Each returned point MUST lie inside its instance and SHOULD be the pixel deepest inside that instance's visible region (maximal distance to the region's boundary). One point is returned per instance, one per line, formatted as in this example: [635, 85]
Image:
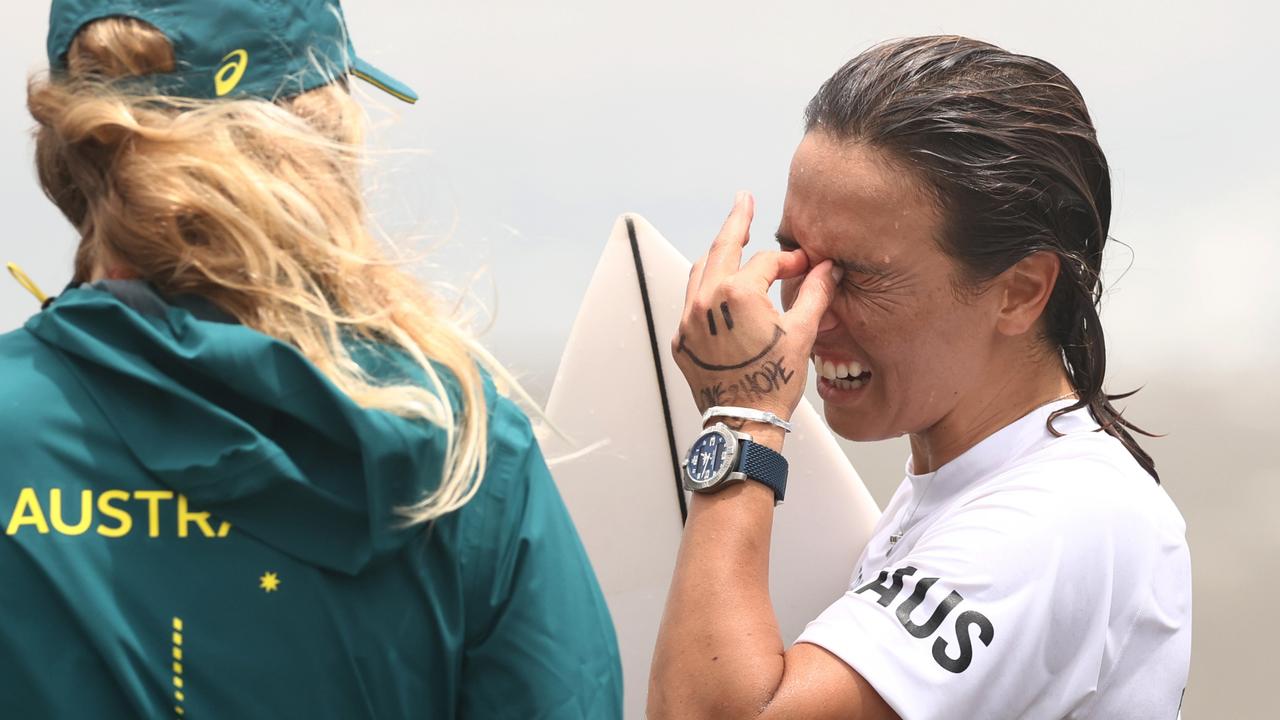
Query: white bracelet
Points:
[745, 414]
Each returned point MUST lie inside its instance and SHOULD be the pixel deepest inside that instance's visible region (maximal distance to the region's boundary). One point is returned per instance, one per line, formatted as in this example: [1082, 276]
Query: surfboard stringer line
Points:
[657, 366]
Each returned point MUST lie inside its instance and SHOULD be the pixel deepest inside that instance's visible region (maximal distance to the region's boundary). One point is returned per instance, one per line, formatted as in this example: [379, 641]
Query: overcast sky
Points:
[543, 121]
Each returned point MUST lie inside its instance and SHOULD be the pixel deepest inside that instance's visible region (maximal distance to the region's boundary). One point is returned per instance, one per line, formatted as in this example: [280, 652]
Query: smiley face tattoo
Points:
[778, 332]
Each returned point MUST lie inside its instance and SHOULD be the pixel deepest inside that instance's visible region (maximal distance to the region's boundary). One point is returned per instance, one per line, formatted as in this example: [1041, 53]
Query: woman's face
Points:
[908, 347]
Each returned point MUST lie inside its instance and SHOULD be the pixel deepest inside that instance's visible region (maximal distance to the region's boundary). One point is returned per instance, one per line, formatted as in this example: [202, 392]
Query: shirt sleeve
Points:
[540, 642]
[999, 610]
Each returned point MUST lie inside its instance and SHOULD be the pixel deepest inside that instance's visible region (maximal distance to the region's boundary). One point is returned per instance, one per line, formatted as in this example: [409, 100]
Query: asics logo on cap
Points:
[228, 76]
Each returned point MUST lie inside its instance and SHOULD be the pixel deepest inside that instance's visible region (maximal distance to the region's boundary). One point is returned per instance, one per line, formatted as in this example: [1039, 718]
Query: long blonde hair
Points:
[258, 207]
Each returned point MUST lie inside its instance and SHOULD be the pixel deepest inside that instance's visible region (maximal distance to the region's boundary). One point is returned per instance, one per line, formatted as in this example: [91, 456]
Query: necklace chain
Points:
[902, 525]
[897, 535]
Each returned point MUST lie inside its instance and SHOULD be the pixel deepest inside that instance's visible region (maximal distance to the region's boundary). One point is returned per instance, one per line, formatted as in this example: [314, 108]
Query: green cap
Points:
[234, 48]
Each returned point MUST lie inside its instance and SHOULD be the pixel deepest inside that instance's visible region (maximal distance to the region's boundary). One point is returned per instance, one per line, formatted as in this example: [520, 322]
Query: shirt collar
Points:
[995, 451]
[143, 298]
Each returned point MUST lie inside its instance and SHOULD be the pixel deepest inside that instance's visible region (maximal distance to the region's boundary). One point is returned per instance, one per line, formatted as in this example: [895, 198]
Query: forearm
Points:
[719, 651]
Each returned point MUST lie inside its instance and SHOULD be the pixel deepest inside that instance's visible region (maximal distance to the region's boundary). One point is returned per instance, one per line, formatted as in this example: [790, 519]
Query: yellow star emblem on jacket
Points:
[269, 582]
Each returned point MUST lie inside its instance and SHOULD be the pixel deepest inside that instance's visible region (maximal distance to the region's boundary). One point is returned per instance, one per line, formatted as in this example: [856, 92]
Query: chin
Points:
[855, 426]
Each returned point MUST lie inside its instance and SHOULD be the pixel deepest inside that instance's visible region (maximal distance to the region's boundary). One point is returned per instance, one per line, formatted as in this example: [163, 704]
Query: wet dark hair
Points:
[1005, 145]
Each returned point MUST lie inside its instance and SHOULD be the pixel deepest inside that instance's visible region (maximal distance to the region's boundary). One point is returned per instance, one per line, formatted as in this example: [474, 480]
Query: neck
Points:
[986, 408]
[112, 272]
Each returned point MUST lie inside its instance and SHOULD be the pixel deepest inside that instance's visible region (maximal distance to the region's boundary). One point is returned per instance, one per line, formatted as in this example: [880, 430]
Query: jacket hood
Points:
[245, 426]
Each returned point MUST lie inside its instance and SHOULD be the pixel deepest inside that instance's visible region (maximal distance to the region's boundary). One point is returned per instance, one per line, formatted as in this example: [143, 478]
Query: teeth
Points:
[840, 375]
[824, 369]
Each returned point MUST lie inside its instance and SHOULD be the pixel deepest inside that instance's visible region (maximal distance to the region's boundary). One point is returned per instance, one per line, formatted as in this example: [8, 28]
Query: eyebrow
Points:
[849, 265]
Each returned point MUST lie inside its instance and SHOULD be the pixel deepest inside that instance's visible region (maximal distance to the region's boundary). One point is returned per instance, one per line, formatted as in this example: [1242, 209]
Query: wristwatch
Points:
[722, 456]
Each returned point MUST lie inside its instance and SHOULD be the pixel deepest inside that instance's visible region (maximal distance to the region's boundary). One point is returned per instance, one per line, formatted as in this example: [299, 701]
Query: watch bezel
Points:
[733, 446]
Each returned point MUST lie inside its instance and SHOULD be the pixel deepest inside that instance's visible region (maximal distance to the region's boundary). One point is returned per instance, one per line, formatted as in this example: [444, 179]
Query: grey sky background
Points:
[541, 122]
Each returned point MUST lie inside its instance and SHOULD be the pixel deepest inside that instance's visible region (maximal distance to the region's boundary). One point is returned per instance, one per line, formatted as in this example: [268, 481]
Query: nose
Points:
[828, 321]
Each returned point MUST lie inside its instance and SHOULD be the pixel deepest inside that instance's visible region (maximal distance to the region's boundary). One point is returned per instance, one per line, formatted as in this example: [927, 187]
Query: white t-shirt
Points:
[1036, 577]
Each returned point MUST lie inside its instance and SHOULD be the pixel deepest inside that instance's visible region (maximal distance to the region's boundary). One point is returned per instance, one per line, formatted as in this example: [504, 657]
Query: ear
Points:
[1025, 290]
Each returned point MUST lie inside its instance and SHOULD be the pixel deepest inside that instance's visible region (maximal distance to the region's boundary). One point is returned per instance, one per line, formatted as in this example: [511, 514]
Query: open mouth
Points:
[849, 375]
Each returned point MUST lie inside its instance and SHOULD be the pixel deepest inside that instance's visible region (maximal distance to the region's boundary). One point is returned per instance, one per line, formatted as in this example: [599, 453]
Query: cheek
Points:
[890, 337]
[859, 319]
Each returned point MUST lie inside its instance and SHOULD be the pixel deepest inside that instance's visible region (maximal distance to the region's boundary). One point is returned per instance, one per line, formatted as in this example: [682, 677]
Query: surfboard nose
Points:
[628, 416]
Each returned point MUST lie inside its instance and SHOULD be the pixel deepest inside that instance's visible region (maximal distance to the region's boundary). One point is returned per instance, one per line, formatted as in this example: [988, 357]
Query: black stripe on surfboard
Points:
[657, 366]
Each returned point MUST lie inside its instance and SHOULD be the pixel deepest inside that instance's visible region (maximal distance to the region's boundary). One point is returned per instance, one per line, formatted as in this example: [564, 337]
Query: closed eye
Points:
[786, 244]
[877, 290]
[858, 276]
[851, 282]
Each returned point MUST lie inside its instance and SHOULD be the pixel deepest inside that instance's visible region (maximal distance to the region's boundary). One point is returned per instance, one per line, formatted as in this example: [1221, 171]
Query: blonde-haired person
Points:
[251, 469]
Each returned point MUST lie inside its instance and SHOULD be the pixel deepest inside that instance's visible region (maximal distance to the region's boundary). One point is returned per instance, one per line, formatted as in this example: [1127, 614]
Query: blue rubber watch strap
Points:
[764, 465]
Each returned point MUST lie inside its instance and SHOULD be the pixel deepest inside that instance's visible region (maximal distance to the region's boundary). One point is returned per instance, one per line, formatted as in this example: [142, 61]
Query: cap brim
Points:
[382, 81]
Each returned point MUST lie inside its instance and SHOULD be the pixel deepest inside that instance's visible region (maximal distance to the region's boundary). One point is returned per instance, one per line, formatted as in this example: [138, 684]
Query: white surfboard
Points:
[628, 416]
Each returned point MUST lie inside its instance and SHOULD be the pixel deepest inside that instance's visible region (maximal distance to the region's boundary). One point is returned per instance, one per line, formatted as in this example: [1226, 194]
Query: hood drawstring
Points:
[28, 284]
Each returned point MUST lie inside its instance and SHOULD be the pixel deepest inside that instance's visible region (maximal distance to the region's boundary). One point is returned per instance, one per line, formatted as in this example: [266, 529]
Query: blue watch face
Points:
[706, 458]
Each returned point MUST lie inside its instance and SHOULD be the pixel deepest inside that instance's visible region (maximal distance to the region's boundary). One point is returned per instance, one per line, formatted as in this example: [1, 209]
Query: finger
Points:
[765, 267]
[726, 251]
[695, 279]
[813, 298]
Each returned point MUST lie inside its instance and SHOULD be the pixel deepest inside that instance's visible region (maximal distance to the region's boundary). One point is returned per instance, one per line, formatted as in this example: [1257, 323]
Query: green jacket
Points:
[197, 523]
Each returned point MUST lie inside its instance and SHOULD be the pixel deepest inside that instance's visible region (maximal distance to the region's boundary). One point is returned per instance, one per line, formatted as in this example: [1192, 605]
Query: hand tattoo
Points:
[682, 347]
[766, 379]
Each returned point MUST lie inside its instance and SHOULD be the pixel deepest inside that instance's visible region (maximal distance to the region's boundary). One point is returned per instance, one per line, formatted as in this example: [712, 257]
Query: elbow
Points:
[672, 696]
[697, 709]
[669, 697]
[696, 698]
